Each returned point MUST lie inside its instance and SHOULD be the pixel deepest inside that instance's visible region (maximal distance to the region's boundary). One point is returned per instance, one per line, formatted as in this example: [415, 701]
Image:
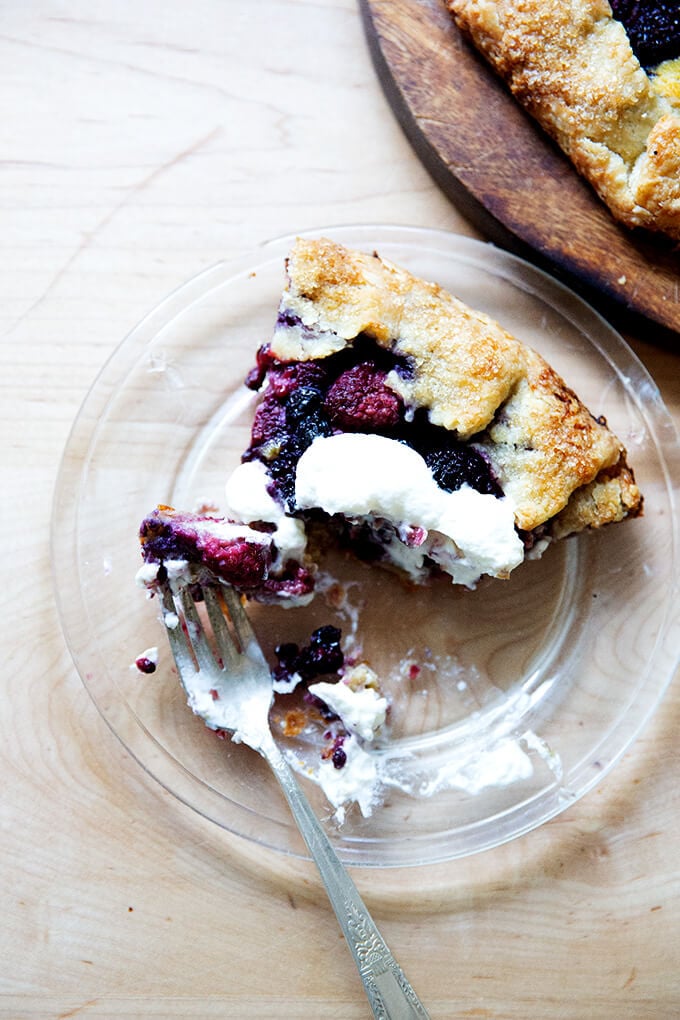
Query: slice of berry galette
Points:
[415, 431]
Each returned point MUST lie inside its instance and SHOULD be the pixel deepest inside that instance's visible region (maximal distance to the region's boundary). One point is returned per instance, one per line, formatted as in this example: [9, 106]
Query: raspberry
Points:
[359, 400]
[295, 582]
[269, 422]
[187, 536]
[243, 564]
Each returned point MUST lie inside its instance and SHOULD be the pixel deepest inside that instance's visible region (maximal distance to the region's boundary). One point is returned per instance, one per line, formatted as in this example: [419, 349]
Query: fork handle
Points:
[389, 993]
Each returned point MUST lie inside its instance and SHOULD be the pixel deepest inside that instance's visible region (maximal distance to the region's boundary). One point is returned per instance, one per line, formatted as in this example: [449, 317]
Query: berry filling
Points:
[339, 756]
[336, 752]
[145, 664]
[652, 28]
[455, 464]
[359, 400]
[321, 657]
[211, 542]
[349, 392]
[295, 582]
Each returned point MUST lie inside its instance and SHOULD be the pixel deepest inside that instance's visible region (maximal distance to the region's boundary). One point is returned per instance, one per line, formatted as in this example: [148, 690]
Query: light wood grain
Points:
[140, 144]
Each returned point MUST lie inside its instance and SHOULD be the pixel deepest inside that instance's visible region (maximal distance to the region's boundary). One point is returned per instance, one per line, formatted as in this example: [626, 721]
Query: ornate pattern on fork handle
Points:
[387, 988]
[381, 974]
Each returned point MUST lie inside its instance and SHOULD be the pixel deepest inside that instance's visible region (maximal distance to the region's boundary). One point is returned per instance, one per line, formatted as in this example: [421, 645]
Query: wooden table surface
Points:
[141, 143]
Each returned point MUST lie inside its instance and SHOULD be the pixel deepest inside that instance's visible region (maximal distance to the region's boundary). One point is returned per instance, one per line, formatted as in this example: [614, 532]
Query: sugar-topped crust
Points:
[548, 451]
[570, 64]
[338, 294]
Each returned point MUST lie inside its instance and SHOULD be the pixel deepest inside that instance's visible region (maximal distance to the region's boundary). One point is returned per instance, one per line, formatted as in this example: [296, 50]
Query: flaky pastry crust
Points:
[340, 293]
[550, 455]
[570, 64]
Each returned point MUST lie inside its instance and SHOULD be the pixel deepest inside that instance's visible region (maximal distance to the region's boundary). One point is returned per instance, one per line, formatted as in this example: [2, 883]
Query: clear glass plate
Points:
[523, 693]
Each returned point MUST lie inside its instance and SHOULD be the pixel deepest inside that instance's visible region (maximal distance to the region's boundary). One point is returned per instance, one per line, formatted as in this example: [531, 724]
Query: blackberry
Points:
[282, 471]
[322, 656]
[307, 431]
[326, 635]
[286, 653]
[292, 445]
[652, 28]
[456, 465]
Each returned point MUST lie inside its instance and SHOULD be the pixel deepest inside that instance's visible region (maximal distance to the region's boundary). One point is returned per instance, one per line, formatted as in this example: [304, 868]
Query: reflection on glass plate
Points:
[508, 702]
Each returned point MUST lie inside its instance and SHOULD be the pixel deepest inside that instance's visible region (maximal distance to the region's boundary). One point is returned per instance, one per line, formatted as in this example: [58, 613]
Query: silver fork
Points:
[228, 684]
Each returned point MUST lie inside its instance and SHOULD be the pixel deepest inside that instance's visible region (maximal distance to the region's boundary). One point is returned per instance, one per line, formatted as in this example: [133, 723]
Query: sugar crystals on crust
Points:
[571, 65]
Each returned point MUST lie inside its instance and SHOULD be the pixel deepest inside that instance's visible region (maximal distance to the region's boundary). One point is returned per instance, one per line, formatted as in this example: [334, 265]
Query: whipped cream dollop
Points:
[363, 711]
[468, 533]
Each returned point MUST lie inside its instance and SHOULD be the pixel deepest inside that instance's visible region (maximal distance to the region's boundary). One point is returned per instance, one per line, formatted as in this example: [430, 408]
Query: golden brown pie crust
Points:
[570, 64]
[550, 455]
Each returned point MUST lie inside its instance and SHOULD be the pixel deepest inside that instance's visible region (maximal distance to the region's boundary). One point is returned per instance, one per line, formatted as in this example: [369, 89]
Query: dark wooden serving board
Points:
[506, 176]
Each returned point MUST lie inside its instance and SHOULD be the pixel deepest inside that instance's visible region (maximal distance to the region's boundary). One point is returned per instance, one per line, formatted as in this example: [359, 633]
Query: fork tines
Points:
[204, 648]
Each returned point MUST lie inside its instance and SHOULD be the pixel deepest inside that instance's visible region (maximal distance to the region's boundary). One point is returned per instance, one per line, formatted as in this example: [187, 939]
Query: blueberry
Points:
[302, 402]
[287, 319]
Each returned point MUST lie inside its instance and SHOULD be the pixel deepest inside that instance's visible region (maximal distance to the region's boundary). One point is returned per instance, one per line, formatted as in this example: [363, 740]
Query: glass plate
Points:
[508, 702]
